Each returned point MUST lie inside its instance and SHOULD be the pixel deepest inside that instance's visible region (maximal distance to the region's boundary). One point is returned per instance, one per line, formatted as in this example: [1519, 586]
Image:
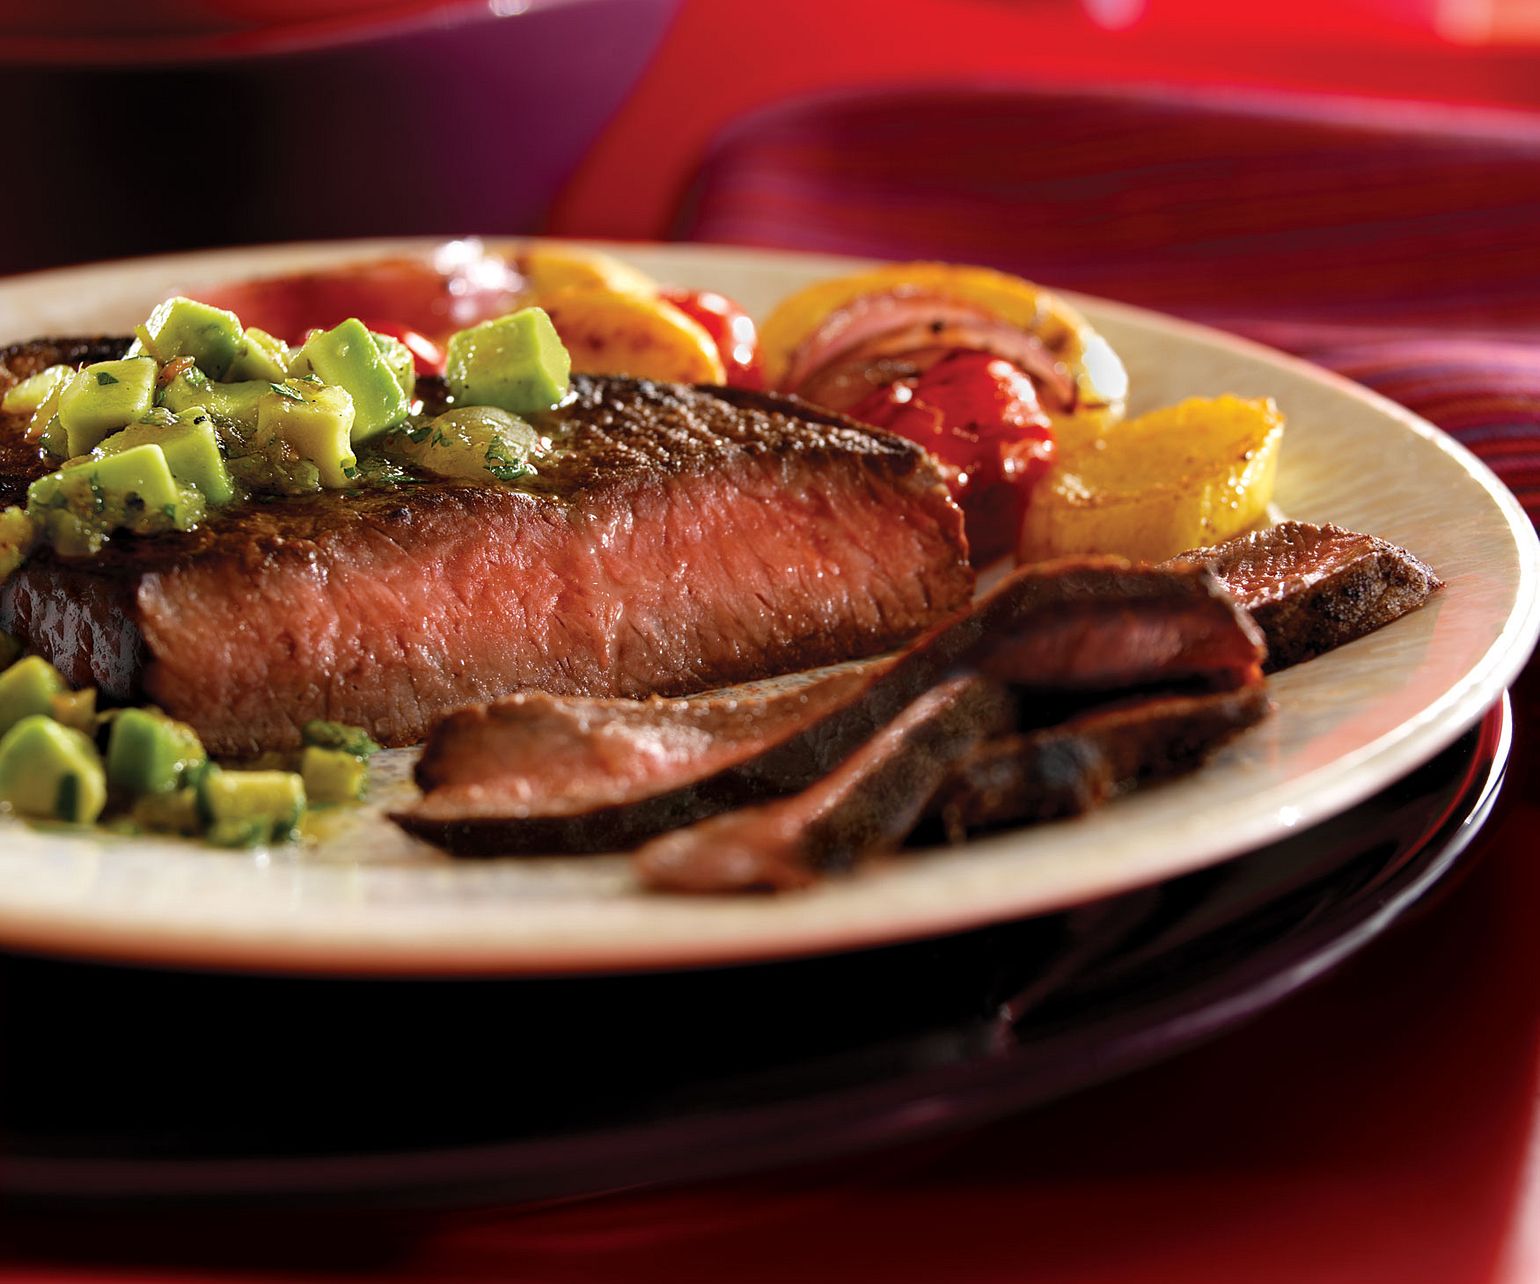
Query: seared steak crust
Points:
[1071, 767]
[679, 539]
[543, 773]
[866, 806]
[1312, 589]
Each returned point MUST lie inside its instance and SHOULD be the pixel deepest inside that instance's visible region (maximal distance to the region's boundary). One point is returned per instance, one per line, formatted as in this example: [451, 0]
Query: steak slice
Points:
[1315, 588]
[679, 539]
[536, 773]
[866, 805]
[1067, 769]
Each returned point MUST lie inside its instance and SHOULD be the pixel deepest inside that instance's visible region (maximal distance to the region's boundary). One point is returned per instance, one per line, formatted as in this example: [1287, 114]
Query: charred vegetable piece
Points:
[149, 753]
[1183, 476]
[333, 776]
[27, 688]
[347, 356]
[338, 735]
[25, 397]
[241, 808]
[103, 398]
[186, 328]
[516, 363]
[51, 772]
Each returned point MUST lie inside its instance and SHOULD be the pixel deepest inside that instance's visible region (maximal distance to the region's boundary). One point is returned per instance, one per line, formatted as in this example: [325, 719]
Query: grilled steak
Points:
[534, 773]
[1067, 769]
[680, 539]
[1314, 588]
[866, 805]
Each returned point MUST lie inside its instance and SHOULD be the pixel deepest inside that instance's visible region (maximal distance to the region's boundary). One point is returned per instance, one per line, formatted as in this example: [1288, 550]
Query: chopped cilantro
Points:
[104, 377]
[286, 392]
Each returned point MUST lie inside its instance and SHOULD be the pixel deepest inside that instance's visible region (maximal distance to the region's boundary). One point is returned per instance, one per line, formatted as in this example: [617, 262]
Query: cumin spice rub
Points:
[675, 539]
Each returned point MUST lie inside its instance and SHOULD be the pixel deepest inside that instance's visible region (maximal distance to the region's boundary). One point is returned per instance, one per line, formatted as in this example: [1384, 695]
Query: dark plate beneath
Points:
[132, 1084]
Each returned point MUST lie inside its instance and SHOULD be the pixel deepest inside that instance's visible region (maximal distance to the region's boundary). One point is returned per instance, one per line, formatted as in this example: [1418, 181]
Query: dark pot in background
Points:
[445, 119]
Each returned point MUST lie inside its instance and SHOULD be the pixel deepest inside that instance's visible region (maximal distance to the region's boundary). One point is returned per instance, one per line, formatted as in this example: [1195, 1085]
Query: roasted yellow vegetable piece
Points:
[621, 333]
[1187, 475]
[549, 268]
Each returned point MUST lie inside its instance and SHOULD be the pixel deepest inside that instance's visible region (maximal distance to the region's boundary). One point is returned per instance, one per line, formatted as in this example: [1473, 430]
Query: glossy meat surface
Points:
[679, 540]
[1314, 588]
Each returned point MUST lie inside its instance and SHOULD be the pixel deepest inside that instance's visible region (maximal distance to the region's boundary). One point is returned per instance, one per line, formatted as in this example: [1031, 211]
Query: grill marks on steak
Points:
[867, 805]
[1314, 588]
[535, 773]
[680, 540]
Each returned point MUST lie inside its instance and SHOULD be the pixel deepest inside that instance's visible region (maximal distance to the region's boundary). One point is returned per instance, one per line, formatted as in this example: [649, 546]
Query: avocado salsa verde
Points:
[199, 413]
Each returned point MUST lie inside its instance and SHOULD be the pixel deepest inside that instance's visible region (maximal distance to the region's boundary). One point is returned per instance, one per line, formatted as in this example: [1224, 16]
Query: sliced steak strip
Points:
[866, 805]
[1068, 769]
[494, 782]
[536, 772]
[680, 539]
[1315, 588]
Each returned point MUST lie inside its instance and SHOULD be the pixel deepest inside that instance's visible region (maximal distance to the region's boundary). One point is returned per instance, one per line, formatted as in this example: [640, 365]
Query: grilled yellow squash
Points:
[1187, 475]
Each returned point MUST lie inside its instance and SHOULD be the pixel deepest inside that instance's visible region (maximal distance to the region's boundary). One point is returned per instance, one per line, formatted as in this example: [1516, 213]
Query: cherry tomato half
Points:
[979, 415]
[730, 328]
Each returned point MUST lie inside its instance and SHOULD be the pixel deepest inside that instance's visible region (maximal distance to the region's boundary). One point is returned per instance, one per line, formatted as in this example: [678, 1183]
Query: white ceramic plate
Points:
[368, 899]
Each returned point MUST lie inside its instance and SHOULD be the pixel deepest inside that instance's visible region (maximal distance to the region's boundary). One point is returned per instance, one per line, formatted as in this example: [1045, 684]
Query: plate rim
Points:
[1391, 754]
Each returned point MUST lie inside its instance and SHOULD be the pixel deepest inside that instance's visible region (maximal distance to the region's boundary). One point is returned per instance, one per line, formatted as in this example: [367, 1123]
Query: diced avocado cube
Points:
[80, 503]
[25, 397]
[19, 535]
[191, 449]
[400, 360]
[10, 650]
[149, 753]
[139, 477]
[269, 803]
[186, 328]
[260, 356]
[51, 772]
[27, 688]
[332, 776]
[316, 422]
[103, 398]
[516, 362]
[346, 356]
[187, 511]
[75, 709]
[339, 735]
[170, 813]
[232, 403]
